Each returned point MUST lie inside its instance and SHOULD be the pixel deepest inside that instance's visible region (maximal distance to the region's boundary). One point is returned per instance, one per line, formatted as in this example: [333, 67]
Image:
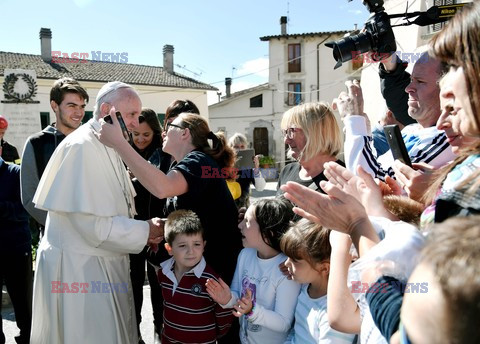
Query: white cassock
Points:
[82, 288]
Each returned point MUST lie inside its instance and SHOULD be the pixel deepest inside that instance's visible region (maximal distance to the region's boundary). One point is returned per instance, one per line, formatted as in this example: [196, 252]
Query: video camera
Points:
[378, 36]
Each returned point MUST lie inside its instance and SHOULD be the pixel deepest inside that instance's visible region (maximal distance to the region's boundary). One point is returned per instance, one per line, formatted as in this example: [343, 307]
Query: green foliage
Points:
[267, 160]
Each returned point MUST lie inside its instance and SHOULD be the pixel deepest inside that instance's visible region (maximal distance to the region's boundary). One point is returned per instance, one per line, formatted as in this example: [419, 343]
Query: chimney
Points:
[283, 25]
[46, 44]
[228, 83]
[168, 58]
[355, 27]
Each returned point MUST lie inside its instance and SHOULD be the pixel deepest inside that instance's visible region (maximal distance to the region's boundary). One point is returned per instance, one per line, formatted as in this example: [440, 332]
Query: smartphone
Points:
[126, 134]
[397, 145]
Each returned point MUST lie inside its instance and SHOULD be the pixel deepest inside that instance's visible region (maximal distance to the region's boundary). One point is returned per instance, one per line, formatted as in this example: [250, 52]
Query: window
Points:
[294, 58]
[257, 101]
[294, 93]
[44, 119]
[439, 26]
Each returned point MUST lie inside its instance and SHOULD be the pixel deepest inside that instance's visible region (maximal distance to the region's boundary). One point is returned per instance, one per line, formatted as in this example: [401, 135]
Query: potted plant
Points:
[266, 161]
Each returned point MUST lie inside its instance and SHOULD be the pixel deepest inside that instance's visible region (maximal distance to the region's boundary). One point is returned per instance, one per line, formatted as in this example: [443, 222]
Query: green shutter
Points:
[44, 119]
[88, 115]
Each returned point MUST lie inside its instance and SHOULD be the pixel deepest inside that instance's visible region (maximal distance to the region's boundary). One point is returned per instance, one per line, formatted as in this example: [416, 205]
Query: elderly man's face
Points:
[130, 106]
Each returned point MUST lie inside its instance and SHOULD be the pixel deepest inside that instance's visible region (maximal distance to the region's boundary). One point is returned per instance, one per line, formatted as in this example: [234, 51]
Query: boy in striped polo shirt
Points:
[189, 315]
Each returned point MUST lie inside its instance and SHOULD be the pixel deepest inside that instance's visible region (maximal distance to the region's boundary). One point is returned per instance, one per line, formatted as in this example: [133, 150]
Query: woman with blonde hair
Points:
[313, 136]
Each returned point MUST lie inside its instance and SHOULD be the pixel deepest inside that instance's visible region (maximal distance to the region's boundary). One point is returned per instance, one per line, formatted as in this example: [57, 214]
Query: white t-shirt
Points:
[311, 322]
[275, 298]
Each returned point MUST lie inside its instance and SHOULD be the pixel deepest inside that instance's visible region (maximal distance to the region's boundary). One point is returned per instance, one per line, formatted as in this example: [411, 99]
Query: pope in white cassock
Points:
[82, 289]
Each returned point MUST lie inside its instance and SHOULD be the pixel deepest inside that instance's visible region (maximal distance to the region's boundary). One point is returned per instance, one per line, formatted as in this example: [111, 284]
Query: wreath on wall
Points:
[9, 87]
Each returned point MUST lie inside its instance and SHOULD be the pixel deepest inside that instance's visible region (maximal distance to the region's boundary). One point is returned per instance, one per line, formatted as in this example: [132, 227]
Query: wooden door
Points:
[260, 141]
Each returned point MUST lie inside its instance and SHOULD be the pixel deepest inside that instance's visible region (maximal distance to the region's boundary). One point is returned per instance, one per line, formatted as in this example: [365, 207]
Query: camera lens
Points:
[345, 48]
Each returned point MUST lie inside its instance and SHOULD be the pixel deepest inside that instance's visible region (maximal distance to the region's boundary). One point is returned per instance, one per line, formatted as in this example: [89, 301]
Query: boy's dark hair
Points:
[308, 241]
[182, 222]
[273, 217]
[66, 85]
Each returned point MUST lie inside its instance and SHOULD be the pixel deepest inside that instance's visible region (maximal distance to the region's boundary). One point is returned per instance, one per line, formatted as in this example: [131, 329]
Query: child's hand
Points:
[244, 305]
[283, 268]
[218, 291]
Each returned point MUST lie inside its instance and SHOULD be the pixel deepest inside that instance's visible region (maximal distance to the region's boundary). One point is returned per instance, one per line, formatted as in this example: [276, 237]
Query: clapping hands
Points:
[220, 293]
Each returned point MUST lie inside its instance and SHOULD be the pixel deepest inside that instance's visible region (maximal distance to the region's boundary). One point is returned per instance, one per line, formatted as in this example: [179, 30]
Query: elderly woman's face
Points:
[239, 146]
[295, 139]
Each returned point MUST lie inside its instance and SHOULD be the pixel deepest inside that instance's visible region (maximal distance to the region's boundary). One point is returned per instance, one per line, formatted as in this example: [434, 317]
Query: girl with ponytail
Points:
[195, 181]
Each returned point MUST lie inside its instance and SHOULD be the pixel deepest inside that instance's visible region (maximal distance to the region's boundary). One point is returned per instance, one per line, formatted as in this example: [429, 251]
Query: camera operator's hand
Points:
[390, 63]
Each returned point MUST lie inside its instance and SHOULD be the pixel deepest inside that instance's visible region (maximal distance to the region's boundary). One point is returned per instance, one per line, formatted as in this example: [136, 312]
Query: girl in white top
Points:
[308, 250]
[262, 297]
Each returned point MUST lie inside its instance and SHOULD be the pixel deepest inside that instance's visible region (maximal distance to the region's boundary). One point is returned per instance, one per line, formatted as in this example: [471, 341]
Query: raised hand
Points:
[337, 210]
[218, 291]
[350, 102]
[362, 187]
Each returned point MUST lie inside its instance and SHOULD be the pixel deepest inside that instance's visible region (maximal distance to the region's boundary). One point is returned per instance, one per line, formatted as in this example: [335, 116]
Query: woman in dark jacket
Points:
[147, 141]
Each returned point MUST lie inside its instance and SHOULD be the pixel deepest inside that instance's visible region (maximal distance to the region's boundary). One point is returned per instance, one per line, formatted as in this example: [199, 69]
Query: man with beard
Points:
[68, 100]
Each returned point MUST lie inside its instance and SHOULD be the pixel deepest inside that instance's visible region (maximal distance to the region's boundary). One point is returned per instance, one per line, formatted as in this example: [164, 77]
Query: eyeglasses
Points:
[170, 125]
[288, 133]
